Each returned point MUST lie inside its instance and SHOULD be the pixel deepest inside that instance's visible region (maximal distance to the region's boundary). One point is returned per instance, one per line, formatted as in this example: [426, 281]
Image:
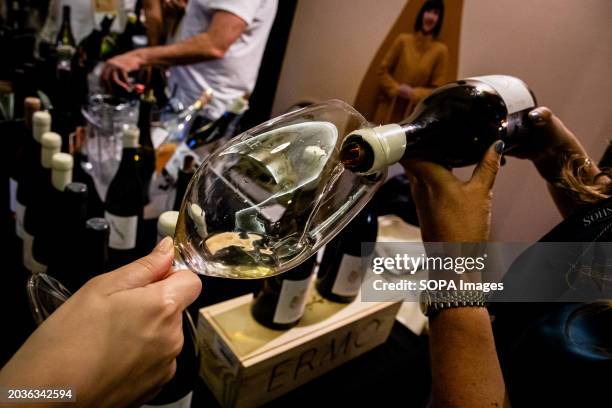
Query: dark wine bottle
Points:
[177, 393]
[217, 129]
[135, 31]
[30, 168]
[124, 203]
[97, 45]
[48, 222]
[65, 36]
[147, 151]
[67, 260]
[280, 302]
[22, 143]
[36, 208]
[184, 177]
[341, 270]
[452, 126]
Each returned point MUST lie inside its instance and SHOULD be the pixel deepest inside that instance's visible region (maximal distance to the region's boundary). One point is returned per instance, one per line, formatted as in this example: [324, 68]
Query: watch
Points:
[432, 301]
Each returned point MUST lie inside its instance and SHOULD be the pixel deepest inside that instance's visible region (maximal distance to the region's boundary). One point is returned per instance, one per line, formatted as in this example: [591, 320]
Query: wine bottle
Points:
[184, 177]
[124, 203]
[147, 151]
[178, 392]
[452, 126]
[341, 270]
[43, 244]
[23, 142]
[280, 302]
[135, 31]
[97, 45]
[41, 123]
[65, 36]
[41, 188]
[66, 258]
[217, 129]
[171, 153]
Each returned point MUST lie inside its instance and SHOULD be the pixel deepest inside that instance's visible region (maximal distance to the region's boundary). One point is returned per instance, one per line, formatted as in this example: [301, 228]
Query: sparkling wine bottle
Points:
[453, 126]
[281, 300]
[341, 270]
[124, 203]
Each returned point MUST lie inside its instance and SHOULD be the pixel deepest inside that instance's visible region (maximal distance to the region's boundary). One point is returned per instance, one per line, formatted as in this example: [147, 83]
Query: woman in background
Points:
[413, 67]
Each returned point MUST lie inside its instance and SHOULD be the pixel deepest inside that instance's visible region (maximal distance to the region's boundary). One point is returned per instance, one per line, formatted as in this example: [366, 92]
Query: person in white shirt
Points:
[219, 45]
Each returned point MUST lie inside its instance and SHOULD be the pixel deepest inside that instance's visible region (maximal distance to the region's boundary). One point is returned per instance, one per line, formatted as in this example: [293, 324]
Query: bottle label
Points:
[176, 162]
[19, 213]
[291, 301]
[513, 91]
[27, 250]
[348, 279]
[122, 231]
[184, 402]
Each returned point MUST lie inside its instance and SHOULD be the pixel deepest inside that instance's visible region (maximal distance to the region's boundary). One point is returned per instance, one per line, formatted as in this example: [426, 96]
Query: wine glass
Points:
[272, 196]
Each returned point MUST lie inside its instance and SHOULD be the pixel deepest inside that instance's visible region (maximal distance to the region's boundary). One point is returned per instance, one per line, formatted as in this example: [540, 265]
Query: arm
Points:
[225, 28]
[388, 84]
[465, 369]
[154, 21]
[438, 77]
[464, 365]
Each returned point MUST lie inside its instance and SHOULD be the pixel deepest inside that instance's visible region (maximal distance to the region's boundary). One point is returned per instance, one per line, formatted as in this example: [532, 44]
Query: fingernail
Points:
[499, 146]
[536, 117]
[164, 245]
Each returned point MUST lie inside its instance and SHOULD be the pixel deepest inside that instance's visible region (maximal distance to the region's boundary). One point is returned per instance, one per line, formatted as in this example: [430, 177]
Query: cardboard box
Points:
[246, 364]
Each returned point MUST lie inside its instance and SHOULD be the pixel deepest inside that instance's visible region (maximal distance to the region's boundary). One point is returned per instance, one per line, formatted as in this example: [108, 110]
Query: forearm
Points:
[465, 368]
[154, 21]
[190, 51]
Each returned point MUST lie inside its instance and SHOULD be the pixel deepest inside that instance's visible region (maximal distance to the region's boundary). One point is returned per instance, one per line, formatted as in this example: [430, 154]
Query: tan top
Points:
[414, 59]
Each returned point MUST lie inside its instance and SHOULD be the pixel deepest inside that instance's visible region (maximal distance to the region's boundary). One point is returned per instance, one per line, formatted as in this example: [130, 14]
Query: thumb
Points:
[485, 172]
[141, 272]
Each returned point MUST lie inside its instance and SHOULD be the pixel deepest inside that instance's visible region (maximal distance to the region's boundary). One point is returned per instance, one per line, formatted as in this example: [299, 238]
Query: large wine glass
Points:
[272, 196]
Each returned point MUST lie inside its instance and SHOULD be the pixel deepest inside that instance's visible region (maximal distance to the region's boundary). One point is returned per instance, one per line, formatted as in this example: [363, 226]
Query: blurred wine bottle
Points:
[341, 270]
[41, 188]
[19, 146]
[66, 259]
[44, 242]
[98, 45]
[281, 301]
[184, 177]
[124, 203]
[135, 33]
[171, 153]
[65, 38]
[147, 151]
[220, 128]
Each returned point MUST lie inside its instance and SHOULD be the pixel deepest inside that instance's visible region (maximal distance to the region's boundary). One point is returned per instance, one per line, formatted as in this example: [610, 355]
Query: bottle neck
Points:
[66, 17]
[144, 122]
[61, 178]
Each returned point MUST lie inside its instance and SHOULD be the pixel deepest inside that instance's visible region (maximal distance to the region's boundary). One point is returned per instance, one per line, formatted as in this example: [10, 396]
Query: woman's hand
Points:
[405, 91]
[451, 210]
[115, 340]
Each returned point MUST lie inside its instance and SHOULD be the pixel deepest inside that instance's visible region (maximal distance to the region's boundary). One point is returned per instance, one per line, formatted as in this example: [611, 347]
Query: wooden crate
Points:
[245, 364]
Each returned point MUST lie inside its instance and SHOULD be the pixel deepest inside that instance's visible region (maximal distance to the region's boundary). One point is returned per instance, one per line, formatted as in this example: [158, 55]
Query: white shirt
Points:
[235, 74]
